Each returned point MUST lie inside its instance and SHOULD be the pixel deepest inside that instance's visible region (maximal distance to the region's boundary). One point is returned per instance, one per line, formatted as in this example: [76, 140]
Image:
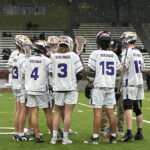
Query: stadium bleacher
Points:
[90, 30]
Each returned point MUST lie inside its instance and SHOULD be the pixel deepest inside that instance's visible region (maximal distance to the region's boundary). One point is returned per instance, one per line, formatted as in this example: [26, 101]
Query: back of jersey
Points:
[65, 67]
[36, 74]
[105, 63]
[134, 64]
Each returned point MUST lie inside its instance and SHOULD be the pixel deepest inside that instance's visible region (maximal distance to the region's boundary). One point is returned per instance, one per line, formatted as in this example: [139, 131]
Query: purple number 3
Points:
[63, 68]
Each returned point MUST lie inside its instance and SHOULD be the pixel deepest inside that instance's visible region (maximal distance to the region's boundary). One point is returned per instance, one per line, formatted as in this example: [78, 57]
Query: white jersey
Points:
[17, 78]
[134, 64]
[13, 54]
[36, 74]
[64, 68]
[105, 63]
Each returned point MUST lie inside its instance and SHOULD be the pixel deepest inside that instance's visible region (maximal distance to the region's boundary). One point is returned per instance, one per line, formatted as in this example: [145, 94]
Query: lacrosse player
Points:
[36, 84]
[66, 68]
[23, 45]
[105, 64]
[133, 91]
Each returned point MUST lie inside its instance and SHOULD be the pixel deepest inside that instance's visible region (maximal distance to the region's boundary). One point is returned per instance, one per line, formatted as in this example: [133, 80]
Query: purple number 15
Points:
[107, 68]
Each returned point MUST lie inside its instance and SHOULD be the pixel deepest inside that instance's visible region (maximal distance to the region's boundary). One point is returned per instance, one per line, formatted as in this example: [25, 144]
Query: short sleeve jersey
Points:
[105, 63]
[64, 69]
[134, 63]
[36, 74]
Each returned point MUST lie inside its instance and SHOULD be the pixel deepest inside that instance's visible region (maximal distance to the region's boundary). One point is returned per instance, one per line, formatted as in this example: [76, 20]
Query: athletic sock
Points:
[113, 134]
[55, 133]
[95, 135]
[129, 132]
[16, 133]
[21, 134]
[65, 135]
[139, 131]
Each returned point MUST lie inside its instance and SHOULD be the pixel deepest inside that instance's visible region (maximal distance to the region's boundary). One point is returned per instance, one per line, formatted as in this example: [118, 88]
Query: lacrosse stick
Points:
[118, 93]
[80, 42]
[121, 76]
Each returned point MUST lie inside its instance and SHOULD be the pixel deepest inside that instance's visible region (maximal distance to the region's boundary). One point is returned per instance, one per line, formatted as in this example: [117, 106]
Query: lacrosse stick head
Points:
[80, 42]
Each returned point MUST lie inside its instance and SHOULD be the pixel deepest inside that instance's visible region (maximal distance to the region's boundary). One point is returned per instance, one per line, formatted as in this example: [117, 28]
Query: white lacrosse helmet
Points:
[41, 42]
[40, 46]
[24, 43]
[52, 40]
[66, 40]
[128, 37]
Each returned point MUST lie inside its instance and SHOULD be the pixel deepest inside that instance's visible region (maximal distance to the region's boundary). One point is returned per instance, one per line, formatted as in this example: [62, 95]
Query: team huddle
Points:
[49, 78]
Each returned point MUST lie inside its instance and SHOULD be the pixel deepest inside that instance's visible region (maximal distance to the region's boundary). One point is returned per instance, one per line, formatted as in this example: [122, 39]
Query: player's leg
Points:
[139, 119]
[127, 105]
[96, 126]
[112, 120]
[34, 120]
[68, 109]
[110, 102]
[59, 106]
[16, 119]
[30, 131]
[71, 99]
[104, 120]
[49, 118]
[120, 119]
[56, 122]
[22, 118]
[97, 102]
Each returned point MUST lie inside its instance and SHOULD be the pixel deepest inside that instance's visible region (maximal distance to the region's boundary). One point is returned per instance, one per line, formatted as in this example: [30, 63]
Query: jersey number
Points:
[15, 72]
[34, 73]
[63, 68]
[138, 67]
[107, 68]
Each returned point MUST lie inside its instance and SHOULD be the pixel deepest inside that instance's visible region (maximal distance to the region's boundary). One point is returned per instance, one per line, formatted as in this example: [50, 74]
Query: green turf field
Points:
[81, 122]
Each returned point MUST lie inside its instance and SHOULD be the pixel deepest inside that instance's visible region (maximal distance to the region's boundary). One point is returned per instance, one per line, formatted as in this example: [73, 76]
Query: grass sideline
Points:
[81, 122]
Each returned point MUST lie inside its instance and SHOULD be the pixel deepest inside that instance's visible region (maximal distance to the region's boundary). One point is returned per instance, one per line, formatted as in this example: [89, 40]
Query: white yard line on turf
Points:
[146, 121]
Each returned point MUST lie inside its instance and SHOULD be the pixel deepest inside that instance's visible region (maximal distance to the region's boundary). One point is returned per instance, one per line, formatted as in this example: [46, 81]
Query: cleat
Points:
[53, 140]
[72, 132]
[138, 136]
[49, 132]
[15, 137]
[24, 138]
[39, 140]
[60, 132]
[30, 133]
[66, 141]
[127, 138]
[91, 141]
[59, 139]
[112, 139]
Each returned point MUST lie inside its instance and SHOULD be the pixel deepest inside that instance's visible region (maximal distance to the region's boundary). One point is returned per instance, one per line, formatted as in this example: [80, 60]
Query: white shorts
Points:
[40, 101]
[133, 93]
[20, 96]
[62, 98]
[102, 97]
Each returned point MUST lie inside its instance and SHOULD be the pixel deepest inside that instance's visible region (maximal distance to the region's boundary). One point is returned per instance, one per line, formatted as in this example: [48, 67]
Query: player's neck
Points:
[131, 46]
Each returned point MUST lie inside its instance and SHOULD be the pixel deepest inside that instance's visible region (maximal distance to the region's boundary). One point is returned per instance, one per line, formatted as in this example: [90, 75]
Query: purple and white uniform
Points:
[105, 63]
[132, 78]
